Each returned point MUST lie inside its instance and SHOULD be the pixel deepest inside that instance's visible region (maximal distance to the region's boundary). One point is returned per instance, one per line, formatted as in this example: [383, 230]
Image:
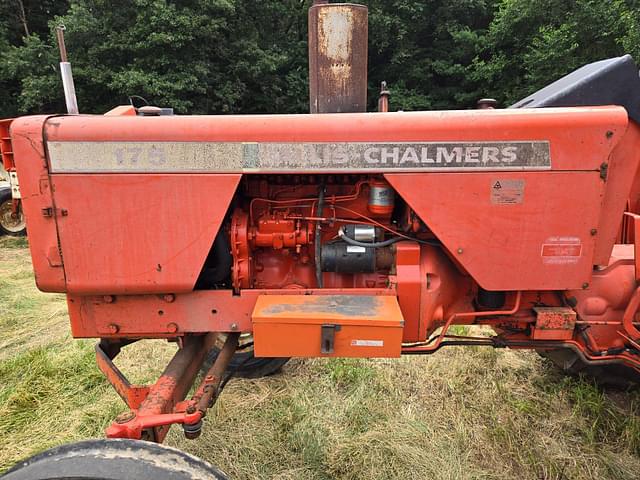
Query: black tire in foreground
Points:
[612, 375]
[114, 460]
[9, 224]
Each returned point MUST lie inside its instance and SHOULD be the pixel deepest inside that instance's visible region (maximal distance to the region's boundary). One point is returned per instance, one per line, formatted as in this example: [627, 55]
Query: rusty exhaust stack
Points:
[338, 37]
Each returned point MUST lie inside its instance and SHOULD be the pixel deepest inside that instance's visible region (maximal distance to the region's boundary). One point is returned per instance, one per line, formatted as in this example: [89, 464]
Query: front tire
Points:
[244, 364]
[113, 459]
[10, 224]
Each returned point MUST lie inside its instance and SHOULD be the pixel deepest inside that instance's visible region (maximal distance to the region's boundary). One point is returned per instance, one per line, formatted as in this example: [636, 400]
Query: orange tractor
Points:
[251, 239]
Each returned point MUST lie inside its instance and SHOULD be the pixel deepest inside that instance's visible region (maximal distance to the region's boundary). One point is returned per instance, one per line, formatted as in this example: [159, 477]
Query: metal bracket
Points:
[15, 185]
[327, 337]
[133, 395]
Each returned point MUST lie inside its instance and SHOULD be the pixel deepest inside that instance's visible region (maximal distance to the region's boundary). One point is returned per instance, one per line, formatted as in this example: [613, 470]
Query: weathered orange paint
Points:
[364, 326]
[489, 239]
[202, 311]
[138, 233]
[621, 175]
[37, 200]
[584, 129]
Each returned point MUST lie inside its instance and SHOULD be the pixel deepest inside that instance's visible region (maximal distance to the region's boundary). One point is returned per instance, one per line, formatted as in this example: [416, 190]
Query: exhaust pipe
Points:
[338, 37]
[67, 76]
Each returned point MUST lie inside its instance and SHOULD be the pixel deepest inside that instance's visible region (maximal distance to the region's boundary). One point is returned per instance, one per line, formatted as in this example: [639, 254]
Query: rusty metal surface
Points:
[338, 36]
[554, 323]
[383, 101]
[555, 318]
[61, 45]
[175, 381]
[155, 408]
[208, 391]
[344, 305]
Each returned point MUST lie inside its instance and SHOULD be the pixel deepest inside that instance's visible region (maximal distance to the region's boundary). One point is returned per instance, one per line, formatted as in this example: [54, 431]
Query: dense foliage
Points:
[218, 56]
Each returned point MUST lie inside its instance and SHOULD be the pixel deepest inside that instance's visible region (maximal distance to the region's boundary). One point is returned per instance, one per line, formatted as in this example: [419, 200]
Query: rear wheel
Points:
[114, 460]
[614, 375]
[10, 223]
[244, 364]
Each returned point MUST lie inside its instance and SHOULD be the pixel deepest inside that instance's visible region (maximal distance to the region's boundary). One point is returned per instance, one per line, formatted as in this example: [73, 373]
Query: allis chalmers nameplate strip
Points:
[235, 157]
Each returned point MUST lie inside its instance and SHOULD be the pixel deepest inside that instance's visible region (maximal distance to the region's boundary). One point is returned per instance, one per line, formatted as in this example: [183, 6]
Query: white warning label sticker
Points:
[367, 343]
[561, 250]
[507, 191]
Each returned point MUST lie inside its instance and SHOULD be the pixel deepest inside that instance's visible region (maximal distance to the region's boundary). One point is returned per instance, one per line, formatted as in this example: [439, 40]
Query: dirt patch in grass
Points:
[460, 414]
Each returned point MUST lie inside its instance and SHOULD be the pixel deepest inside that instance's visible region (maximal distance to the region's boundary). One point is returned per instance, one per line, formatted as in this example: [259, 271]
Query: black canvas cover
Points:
[614, 81]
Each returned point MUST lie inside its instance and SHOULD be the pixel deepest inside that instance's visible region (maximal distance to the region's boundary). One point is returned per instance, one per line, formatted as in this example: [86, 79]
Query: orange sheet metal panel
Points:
[171, 315]
[37, 202]
[621, 176]
[138, 233]
[359, 326]
[512, 231]
[577, 136]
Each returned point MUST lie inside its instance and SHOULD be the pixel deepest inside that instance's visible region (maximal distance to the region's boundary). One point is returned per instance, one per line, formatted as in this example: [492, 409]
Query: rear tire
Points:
[570, 363]
[114, 460]
[8, 224]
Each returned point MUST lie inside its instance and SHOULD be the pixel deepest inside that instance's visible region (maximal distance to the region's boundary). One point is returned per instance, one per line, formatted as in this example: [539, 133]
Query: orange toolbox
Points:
[327, 325]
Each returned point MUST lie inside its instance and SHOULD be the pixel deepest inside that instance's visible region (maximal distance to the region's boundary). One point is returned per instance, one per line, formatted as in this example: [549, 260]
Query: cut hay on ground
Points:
[459, 414]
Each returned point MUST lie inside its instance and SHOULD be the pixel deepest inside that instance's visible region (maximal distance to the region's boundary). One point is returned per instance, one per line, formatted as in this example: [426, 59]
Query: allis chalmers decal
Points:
[227, 157]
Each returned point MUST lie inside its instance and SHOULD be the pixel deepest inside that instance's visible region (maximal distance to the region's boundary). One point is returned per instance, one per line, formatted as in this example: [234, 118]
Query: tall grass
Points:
[462, 413]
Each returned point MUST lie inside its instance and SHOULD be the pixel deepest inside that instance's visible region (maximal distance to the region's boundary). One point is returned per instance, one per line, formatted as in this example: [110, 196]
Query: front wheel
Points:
[243, 363]
[10, 223]
[114, 460]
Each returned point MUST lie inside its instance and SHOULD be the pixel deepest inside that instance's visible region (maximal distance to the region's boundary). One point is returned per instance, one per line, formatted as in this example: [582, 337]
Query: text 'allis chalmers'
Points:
[340, 233]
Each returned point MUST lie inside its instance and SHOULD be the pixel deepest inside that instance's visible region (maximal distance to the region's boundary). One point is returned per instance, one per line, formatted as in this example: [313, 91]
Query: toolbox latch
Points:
[327, 337]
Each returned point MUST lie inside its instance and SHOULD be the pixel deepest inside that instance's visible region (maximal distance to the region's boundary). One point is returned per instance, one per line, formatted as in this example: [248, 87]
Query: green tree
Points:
[198, 56]
[421, 48]
[224, 56]
[532, 43]
[23, 22]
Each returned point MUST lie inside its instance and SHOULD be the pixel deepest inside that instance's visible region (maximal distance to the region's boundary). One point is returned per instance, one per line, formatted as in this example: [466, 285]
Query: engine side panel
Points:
[512, 231]
[138, 233]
